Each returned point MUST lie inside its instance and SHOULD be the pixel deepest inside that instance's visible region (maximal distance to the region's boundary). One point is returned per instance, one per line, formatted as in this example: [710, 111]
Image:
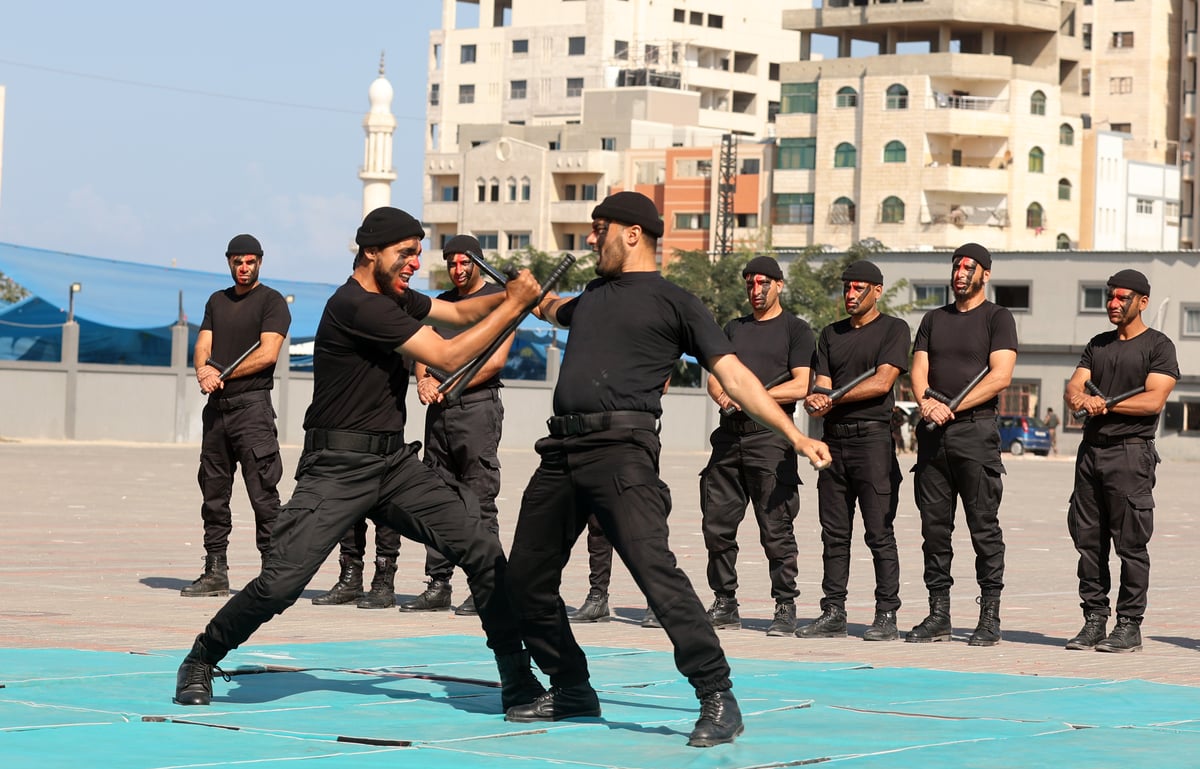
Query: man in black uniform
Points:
[749, 463]
[356, 462]
[239, 420]
[960, 456]
[601, 458]
[462, 439]
[1113, 502]
[858, 431]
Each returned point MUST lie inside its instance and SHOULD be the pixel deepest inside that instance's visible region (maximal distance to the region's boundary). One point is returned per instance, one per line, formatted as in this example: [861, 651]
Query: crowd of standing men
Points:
[598, 465]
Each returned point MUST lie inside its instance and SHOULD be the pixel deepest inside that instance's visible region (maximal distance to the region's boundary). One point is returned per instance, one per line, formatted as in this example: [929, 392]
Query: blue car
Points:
[1019, 433]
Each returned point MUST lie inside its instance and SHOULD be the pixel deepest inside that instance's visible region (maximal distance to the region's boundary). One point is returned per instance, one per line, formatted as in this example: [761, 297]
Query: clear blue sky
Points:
[154, 131]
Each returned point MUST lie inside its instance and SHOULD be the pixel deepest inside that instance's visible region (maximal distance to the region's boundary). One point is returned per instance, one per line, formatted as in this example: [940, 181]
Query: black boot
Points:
[720, 721]
[435, 598]
[348, 588]
[1125, 637]
[784, 623]
[467, 607]
[594, 608]
[578, 701]
[518, 685]
[883, 628]
[213, 582]
[1095, 627]
[831, 624]
[383, 586]
[935, 627]
[987, 632]
[650, 619]
[724, 613]
[193, 681]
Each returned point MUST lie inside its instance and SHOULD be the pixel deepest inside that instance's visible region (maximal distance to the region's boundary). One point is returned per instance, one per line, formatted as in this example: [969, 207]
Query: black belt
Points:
[742, 426]
[239, 401]
[856, 428]
[349, 440]
[1103, 442]
[476, 396]
[582, 424]
[975, 415]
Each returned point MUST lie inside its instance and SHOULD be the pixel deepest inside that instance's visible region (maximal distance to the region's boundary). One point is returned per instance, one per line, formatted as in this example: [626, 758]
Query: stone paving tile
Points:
[99, 538]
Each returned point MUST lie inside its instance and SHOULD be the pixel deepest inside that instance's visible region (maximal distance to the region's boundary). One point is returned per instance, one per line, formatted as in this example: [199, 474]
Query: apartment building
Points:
[533, 104]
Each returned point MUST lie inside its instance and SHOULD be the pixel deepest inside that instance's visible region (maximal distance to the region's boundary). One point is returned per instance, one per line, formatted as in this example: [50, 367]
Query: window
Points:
[1182, 415]
[480, 191]
[691, 221]
[450, 193]
[466, 54]
[749, 167]
[1085, 82]
[693, 168]
[494, 189]
[847, 97]
[621, 49]
[1034, 216]
[1037, 103]
[1191, 320]
[608, 143]
[797, 154]
[1092, 297]
[793, 208]
[715, 21]
[512, 189]
[892, 211]
[845, 156]
[773, 71]
[895, 152]
[651, 53]
[799, 98]
[1145, 206]
[569, 192]
[1037, 160]
[1087, 37]
[1062, 242]
[587, 192]
[1171, 211]
[931, 294]
[1012, 296]
[1122, 128]
[696, 18]
[1066, 135]
[1064, 189]
[574, 86]
[466, 94]
[517, 89]
[434, 91]
[746, 221]
[897, 97]
[576, 46]
[1122, 40]
[842, 211]
[680, 15]
[487, 241]
[568, 240]
[518, 240]
[1120, 85]
[520, 47]
[525, 190]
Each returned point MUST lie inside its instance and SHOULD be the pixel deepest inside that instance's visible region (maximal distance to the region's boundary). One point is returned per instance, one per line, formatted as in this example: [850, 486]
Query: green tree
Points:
[717, 282]
[9, 291]
[541, 264]
[814, 283]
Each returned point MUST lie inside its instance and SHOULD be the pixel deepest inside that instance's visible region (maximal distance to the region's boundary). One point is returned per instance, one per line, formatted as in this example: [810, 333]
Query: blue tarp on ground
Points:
[433, 702]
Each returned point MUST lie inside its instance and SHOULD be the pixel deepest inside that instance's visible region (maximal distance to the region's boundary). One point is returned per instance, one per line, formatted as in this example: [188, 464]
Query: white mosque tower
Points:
[377, 173]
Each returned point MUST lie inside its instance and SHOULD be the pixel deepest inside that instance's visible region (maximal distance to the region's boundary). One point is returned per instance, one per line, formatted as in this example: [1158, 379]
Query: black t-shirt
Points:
[772, 348]
[449, 333]
[626, 334]
[844, 352]
[359, 379]
[1118, 367]
[236, 323]
[959, 344]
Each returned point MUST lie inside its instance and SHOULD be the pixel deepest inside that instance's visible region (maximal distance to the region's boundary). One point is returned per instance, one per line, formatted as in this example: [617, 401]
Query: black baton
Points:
[489, 270]
[225, 372]
[1108, 402]
[729, 411]
[837, 394]
[957, 400]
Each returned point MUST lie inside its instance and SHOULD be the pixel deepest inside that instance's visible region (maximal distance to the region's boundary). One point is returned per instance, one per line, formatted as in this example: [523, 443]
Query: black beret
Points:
[763, 265]
[864, 271]
[1132, 280]
[976, 252]
[386, 225]
[462, 244]
[244, 244]
[631, 208]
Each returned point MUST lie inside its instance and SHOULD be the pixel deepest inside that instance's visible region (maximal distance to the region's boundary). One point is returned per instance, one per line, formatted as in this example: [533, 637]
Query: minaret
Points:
[377, 174]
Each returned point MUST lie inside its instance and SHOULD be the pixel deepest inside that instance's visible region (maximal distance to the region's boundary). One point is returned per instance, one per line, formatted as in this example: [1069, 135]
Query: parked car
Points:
[1019, 433]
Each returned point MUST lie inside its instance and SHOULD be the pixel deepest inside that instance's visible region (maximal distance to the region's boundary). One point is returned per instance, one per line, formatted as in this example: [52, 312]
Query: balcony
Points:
[846, 14]
[1189, 106]
[940, 176]
[967, 115]
[572, 211]
[440, 213]
[1190, 45]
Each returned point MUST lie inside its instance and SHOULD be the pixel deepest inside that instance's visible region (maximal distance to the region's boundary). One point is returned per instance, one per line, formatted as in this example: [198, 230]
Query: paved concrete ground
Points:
[98, 538]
